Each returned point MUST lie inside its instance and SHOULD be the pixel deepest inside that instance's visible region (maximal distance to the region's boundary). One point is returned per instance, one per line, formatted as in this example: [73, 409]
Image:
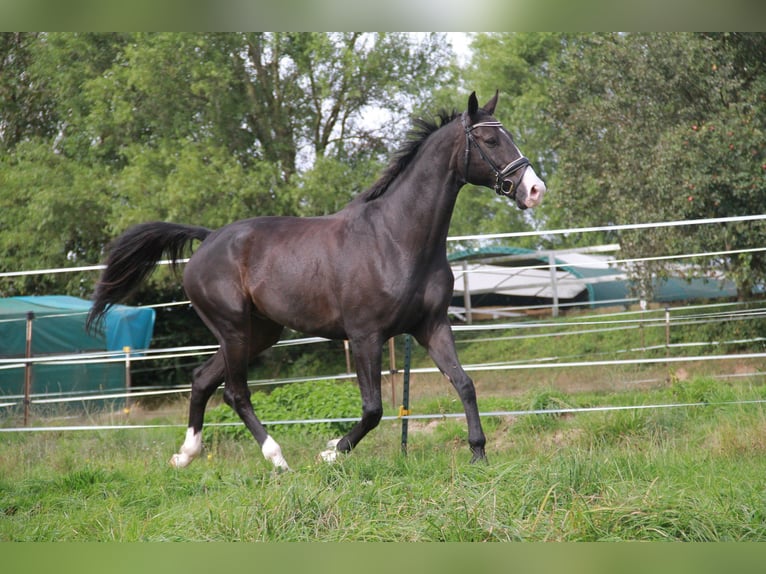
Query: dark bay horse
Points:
[373, 270]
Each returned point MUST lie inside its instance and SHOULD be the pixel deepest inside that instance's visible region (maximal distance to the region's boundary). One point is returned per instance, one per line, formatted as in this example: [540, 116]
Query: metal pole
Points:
[28, 368]
[392, 370]
[404, 410]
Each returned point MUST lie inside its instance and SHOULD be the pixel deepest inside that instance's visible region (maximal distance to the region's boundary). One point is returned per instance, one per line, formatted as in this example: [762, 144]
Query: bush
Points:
[297, 401]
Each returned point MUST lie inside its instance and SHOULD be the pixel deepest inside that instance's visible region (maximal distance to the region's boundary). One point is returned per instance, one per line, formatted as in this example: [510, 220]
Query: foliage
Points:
[663, 127]
[101, 131]
[297, 401]
[52, 214]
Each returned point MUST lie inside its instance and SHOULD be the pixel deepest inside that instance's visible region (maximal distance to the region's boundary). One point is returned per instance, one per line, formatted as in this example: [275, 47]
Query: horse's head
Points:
[492, 159]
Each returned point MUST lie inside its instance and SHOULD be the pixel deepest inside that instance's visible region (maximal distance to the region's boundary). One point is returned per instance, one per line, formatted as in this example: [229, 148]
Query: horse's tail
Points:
[132, 256]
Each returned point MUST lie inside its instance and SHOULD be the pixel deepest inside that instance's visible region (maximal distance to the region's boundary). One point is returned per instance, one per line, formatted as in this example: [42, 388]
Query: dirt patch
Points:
[423, 427]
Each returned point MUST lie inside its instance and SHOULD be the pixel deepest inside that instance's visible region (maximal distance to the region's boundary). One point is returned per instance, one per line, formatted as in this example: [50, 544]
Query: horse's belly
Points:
[306, 312]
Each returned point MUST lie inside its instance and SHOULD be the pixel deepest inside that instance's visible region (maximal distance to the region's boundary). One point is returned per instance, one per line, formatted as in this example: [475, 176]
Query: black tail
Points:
[132, 256]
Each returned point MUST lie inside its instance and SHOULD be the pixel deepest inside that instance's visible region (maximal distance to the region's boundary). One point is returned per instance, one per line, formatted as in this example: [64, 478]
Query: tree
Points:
[658, 127]
[203, 128]
[24, 108]
[52, 214]
[101, 131]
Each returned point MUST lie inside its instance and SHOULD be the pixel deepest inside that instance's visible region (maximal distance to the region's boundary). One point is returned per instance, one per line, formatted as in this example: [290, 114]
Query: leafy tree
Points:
[204, 128]
[24, 110]
[101, 131]
[625, 108]
[51, 215]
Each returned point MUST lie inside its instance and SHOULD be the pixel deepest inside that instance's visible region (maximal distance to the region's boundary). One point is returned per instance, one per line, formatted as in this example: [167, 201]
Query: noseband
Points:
[504, 185]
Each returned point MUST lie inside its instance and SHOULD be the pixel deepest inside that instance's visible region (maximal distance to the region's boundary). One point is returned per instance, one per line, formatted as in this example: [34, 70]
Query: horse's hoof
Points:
[272, 451]
[478, 455]
[180, 460]
[331, 454]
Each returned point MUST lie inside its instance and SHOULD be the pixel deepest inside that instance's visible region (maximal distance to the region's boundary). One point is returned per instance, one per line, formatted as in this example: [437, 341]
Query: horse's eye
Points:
[491, 142]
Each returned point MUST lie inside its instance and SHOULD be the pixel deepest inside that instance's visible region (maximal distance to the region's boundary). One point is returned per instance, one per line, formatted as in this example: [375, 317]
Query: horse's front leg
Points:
[438, 340]
[367, 359]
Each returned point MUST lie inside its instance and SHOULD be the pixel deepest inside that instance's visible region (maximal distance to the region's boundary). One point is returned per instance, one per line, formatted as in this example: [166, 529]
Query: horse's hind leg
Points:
[206, 380]
[242, 337]
[230, 362]
[238, 353]
[367, 358]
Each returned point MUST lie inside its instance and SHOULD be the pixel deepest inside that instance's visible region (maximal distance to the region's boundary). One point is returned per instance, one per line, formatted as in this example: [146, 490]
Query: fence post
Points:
[392, 369]
[347, 350]
[667, 342]
[554, 284]
[28, 368]
[404, 410]
[467, 295]
[667, 331]
[128, 382]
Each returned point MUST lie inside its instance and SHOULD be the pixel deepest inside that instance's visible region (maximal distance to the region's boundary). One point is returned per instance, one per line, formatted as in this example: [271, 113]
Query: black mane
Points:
[418, 133]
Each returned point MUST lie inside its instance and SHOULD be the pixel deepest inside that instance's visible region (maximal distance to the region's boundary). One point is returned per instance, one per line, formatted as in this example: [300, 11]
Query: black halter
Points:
[504, 185]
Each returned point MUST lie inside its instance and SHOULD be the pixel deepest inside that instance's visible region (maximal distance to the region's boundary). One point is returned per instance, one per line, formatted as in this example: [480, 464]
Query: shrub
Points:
[297, 401]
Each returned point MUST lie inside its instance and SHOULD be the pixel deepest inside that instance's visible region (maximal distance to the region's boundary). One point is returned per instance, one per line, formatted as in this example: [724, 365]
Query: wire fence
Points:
[466, 334]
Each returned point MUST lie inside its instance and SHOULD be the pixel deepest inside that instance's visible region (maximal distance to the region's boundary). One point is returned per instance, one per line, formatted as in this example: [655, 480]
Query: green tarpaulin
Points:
[58, 327]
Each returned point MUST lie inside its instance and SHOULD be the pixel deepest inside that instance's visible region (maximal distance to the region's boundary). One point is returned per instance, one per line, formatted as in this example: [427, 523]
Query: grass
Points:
[686, 474]
[677, 474]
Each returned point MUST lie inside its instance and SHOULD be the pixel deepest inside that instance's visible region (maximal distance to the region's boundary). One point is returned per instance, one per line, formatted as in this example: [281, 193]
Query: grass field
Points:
[693, 473]
[685, 474]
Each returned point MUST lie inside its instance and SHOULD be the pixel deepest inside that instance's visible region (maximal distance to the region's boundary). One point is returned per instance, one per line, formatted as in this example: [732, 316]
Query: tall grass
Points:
[692, 474]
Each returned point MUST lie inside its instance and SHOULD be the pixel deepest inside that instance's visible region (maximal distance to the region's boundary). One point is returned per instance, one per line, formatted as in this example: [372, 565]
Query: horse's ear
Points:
[489, 107]
[473, 104]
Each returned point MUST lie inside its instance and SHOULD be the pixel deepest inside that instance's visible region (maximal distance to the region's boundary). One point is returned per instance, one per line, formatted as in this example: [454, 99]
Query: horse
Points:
[373, 270]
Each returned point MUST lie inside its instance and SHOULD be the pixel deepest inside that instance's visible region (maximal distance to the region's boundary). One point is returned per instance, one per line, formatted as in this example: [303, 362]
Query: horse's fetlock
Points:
[372, 414]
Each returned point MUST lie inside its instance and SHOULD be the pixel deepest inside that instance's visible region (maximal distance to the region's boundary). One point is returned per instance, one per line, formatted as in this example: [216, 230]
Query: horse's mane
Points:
[417, 134]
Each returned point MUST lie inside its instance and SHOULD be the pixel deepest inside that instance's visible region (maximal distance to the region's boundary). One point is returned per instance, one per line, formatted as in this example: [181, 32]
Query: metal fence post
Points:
[404, 410]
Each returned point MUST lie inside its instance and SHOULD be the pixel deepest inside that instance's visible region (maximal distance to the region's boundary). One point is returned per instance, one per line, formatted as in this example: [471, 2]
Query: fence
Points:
[644, 319]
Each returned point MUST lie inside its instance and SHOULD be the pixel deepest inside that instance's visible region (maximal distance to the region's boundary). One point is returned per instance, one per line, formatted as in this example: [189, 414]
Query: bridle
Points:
[505, 184]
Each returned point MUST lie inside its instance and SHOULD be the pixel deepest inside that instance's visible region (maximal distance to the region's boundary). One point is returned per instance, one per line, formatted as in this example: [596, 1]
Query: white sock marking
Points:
[273, 452]
[331, 454]
[189, 450]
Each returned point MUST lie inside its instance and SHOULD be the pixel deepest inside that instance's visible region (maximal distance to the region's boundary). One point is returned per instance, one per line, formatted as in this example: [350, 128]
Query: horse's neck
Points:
[421, 200]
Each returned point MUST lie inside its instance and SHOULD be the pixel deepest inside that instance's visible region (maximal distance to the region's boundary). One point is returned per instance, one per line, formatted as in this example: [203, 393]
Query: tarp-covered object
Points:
[527, 280]
[58, 328]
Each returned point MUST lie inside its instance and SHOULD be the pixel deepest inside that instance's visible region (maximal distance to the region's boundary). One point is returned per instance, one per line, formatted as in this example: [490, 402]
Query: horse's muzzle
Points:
[531, 190]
